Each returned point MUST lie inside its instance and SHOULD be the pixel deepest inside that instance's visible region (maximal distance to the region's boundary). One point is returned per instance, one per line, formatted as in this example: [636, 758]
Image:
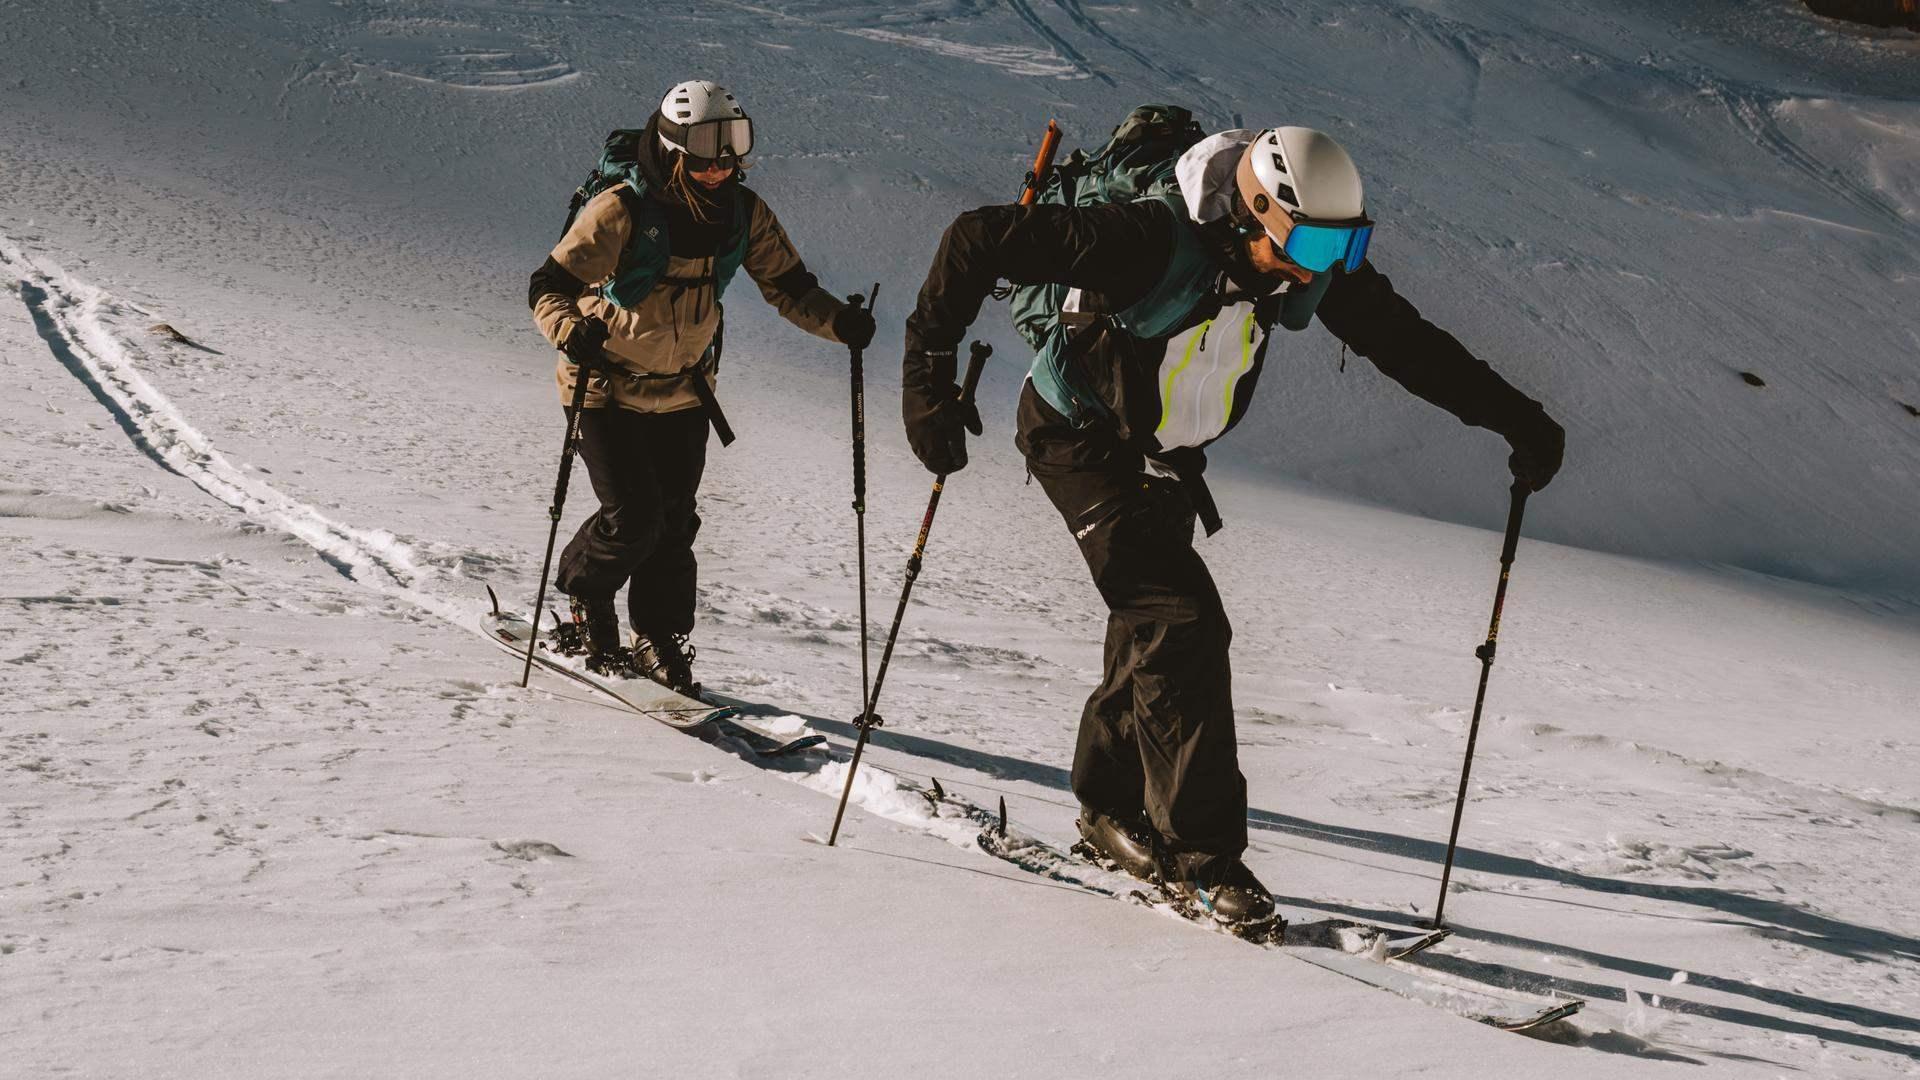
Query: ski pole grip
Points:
[1514, 511]
[856, 301]
[976, 362]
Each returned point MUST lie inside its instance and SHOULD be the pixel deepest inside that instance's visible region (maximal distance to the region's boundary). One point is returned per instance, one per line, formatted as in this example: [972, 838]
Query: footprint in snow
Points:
[530, 850]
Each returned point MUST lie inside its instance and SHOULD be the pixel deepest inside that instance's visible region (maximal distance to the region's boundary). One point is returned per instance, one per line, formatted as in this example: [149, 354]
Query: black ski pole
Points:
[574, 409]
[1485, 653]
[860, 478]
[868, 719]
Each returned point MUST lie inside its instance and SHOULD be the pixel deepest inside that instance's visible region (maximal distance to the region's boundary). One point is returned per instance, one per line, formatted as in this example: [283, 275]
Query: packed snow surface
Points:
[275, 412]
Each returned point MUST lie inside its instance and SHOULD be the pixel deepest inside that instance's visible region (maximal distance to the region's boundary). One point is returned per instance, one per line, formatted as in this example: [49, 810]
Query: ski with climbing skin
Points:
[1381, 955]
[510, 631]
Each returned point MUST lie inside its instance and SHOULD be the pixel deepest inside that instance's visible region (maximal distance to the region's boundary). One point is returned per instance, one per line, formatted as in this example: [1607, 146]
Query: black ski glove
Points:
[937, 420]
[585, 344]
[1538, 444]
[854, 327]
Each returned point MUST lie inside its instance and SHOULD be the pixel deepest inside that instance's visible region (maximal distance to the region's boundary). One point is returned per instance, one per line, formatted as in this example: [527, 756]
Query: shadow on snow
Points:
[1772, 918]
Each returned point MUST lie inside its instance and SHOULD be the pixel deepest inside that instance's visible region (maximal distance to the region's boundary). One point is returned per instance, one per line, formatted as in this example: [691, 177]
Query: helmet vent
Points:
[1280, 163]
[1286, 194]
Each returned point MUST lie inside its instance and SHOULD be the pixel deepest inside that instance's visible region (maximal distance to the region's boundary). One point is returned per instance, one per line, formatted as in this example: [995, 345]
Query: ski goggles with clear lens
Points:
[1319, 246]
[711, 139]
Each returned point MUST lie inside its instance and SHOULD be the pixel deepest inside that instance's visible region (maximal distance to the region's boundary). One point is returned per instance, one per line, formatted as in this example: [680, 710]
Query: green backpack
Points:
[644, 262]
[1137, 163]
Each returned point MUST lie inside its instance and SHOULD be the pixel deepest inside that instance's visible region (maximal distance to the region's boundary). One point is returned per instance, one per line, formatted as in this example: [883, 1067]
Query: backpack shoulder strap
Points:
[640, 214]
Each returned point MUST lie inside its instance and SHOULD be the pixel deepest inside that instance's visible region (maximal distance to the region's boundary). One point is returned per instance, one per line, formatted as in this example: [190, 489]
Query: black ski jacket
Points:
[1117, 252]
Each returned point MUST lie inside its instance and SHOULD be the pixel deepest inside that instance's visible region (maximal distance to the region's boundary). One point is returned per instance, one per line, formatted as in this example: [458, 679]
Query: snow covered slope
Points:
[272, 809]
[1623, 206]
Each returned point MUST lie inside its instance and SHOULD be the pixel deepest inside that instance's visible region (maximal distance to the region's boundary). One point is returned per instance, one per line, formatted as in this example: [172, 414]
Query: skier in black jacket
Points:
[1155, 353]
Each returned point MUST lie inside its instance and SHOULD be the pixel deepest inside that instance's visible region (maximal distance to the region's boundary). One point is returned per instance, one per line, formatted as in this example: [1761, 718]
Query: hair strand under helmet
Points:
[701, 119]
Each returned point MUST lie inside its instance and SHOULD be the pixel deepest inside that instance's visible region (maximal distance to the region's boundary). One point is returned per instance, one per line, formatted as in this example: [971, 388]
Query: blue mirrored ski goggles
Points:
[1316, 246]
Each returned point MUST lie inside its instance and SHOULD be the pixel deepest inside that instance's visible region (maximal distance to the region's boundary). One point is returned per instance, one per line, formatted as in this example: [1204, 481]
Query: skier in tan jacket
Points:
[631, 298]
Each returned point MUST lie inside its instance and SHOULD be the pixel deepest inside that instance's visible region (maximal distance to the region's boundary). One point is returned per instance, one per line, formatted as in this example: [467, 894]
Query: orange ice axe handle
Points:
[1042, 164]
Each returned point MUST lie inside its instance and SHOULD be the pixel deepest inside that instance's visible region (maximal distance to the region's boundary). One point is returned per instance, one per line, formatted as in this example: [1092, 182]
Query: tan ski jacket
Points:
[669, 330]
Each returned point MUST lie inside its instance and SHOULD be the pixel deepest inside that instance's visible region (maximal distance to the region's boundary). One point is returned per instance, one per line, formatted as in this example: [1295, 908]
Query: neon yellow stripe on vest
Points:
[1194, 337]
[1246, 361]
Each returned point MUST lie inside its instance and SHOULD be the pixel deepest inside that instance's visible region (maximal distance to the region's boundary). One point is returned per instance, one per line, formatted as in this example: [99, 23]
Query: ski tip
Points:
[939, 793]
[1002, 826]
[493, 600]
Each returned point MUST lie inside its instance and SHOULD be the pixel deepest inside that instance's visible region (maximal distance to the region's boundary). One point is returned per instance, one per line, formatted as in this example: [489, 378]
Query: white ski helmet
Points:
[1293, 173]
[701, 119]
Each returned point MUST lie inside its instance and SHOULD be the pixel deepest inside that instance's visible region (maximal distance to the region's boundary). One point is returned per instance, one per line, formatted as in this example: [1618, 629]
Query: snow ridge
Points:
[82, 325]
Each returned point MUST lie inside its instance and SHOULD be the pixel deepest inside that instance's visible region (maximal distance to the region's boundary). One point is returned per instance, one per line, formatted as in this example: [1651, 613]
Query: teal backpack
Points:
[1136, 164]
[644, 262]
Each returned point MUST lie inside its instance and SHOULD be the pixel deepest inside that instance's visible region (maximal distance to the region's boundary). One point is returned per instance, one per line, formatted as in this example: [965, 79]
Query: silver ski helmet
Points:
[1300, 186]
[700, 119]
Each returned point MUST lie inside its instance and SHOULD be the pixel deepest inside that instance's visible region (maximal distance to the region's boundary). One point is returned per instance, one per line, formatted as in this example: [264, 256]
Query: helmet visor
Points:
[1317, 247]
[710, 139]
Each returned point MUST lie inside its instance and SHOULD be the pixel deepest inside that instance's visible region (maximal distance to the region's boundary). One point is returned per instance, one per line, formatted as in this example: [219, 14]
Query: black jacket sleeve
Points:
[553, 278]
[1118, 251]
[1361, 309]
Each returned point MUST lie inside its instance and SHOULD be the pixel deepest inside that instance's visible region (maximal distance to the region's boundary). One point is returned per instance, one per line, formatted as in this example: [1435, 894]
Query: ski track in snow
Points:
[1603, 855]
[1014, 59]
[1059, 44]
[89, 331]
[83, 326]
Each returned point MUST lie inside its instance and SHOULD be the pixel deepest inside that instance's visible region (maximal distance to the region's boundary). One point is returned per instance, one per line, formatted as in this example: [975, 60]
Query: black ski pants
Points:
[1156, 737]
[645, 469]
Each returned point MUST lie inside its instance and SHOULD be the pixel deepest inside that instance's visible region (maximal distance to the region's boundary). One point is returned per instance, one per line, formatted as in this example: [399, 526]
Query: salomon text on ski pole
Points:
[868, 719]
[1485, 653]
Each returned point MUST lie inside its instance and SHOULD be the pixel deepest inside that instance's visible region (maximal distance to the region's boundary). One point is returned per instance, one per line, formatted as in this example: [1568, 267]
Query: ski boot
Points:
[668, 660]
[1125, 846]
[569, 637]
[1226, 890]
[597, 622]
